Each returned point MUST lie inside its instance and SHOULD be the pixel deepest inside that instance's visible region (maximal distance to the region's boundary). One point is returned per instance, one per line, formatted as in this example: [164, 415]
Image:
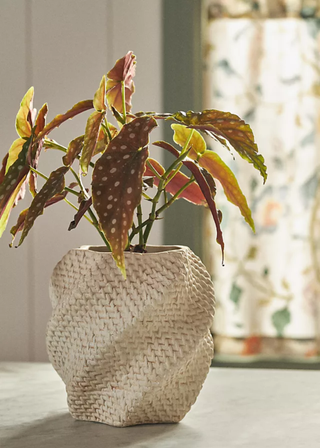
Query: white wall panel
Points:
[63, 48]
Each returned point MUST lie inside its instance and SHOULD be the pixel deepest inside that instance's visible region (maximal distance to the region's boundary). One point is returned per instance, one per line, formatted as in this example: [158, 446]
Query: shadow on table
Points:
[65, 432]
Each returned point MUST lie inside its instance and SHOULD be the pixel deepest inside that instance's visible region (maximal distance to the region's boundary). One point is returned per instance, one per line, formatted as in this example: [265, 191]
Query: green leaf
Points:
[226, 127]
[117, 183]
[196, 143]
[280, 319]
[235, 294]
[74, 149]
[23, 120]
[219, 170]
[14, 152]
[90, 139]
[53, 186]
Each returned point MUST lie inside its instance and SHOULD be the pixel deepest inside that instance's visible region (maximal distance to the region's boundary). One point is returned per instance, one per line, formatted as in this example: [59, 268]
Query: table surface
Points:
[236, 408]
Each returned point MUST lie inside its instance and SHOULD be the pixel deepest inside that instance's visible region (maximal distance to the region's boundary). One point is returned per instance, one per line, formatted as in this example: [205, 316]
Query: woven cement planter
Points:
[134, 351]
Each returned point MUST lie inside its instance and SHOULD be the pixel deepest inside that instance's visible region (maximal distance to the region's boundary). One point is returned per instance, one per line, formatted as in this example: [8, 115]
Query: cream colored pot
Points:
[131, 351]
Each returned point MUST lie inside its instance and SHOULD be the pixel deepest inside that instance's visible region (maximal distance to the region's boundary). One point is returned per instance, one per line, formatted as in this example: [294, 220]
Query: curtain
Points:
[267, 70]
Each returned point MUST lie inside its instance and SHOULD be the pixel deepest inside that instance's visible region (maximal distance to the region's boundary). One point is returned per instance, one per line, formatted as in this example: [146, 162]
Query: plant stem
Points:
[176, 196]
[123, 93]
[155, 172]
[139, 215]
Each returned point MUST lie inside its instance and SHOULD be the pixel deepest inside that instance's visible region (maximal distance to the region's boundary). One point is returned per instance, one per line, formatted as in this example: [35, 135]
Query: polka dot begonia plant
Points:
[122, 172]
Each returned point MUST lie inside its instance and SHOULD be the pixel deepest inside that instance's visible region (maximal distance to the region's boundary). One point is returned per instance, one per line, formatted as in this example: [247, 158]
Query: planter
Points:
[131, 351]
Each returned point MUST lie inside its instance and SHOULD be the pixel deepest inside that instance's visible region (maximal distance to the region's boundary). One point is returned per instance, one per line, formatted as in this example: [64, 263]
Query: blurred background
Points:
[258, 59]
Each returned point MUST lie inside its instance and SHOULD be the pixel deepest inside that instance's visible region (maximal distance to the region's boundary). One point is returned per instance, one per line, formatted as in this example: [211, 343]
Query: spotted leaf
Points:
[90, 139]
[14, 151]
[226, 127]
[84, 206]
[122, 72]
[3, 167]
[77, 109]
[219, 170]
[13, 181]
[117, 183]
[74, 149]
[181, 136]
[23, 119]
[192, 193]
[53, 186]
[99, 96]
[103, 138]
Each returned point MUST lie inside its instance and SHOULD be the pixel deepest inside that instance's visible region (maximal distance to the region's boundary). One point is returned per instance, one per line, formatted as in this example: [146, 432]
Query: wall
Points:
[62, 48]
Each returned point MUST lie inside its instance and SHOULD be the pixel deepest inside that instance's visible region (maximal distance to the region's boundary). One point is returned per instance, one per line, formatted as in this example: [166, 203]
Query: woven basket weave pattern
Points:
[134, 351]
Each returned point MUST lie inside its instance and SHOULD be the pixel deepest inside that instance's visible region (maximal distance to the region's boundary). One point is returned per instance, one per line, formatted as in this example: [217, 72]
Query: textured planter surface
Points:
[134, 351]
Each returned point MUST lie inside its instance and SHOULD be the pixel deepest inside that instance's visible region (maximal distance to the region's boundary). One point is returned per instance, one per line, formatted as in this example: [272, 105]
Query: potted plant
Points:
[130, 327]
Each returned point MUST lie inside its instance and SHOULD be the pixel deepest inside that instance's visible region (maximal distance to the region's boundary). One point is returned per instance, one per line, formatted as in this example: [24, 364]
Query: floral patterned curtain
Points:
[267, 71]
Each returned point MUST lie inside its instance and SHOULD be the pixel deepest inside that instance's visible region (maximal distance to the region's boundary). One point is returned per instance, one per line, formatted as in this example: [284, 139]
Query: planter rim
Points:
[152, 249]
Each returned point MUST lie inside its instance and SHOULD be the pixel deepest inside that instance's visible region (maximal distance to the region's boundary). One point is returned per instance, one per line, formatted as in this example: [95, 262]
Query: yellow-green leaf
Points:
[14, 152]
[99, 96]
[226, 127]
[23, 126]
[182, 135]
[5, 212]
[90, 139]
[219, 170]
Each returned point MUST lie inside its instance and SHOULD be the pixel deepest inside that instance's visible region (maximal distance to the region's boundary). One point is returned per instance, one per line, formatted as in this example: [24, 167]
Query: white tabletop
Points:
[236, 408]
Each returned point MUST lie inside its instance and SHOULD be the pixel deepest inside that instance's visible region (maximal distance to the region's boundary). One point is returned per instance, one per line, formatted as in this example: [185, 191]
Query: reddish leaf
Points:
[167, 147]
[226, 126]
[192, 193]
[22, 217]
[122, 72]
[90, 139]
[219, 170]
[77, 109]
[74, 149]
[117, 183]
[23, 125]
[195, 170]
[41, 119]
[99, 96]
[53, 186]
[84, 206]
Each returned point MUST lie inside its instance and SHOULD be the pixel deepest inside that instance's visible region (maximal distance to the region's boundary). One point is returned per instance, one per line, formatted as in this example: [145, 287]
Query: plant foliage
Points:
[122, 173]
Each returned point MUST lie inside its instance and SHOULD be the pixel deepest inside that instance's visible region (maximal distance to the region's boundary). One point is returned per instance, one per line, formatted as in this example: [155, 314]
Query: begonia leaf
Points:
[84, 206]
[90, 139]
[74, 149]
[167, 146]
[192, 193]
[53, 186]
[78, 108]
[41, 119]
[18, 227]
[122, 72]
[23, 124]
[103, 138]
[12, 184]
[226, 127]
[195, 170]
[14, 151]
[99, 97]
[212, 162]
[3, 167]
[181, 136]
[117, 183]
